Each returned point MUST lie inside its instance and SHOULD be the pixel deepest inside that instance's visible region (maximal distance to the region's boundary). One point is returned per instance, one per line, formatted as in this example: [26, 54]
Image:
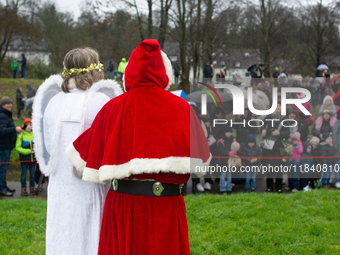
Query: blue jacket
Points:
[8, 135]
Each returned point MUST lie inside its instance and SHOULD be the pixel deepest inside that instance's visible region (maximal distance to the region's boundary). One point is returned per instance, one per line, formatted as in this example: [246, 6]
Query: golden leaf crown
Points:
[75, 71]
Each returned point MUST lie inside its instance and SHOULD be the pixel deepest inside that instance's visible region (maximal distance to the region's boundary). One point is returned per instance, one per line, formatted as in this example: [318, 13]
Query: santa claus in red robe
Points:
[145, 142]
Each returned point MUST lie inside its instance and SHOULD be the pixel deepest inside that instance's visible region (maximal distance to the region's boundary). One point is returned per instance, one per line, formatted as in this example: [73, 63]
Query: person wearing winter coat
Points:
[19, 101]
[336, 145]
[31, 91]
[110, 69]
[207, 72]
[14, 66]
[177, 71]
[306, 163]
[8, 137]
[294, 181]
[327, 164]
[242, 131]
[121, 68]
[223, 149]
[315, 142]
[23, 62]
[253, 163]
[276, 132]
[302, 125]
[323, 125]
[327, 105]
[24, 145]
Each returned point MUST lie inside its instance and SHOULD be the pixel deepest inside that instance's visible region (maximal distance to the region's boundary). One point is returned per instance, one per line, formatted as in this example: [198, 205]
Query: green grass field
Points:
[300, 223]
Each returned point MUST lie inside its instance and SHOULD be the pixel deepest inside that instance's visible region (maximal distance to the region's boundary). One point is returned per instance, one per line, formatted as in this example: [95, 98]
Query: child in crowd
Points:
[251, 150]
[326, 150]
[306, 163]
[24, 146]
[234, 160]
[327, 106]
[316, 161]
[294, 181]
[223, 148]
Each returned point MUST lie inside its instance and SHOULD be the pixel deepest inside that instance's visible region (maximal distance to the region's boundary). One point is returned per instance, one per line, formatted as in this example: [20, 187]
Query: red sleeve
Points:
[199, 148]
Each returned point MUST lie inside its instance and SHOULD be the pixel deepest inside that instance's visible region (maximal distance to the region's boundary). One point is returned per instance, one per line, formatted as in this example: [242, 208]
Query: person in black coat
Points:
[23, 65]
[302, 125]
[8, 139]
[207, 71]
[20, 103]
[243, 131]
[275, 132]
[110, 69]
[325, 127]
[177, 71]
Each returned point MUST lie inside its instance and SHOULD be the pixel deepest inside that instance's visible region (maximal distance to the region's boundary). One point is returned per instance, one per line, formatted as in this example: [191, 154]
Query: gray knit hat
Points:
[315, 139]
[6, 100]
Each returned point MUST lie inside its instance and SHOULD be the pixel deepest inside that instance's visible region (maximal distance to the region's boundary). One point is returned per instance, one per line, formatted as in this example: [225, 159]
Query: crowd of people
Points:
[311, 156]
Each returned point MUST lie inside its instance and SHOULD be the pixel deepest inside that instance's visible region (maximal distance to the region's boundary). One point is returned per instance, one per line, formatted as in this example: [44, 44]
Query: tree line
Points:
[305, 33]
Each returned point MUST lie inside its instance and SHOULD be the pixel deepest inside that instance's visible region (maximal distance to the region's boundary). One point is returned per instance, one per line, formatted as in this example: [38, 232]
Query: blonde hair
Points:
[81, 58]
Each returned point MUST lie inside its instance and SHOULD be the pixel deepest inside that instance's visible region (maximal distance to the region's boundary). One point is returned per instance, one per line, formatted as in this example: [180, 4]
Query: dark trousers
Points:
[23, 71]
[276, 175]
[278, 182]
[176, 79]
[4, 157]
[18, 110]
[24, 167]
[14, 74]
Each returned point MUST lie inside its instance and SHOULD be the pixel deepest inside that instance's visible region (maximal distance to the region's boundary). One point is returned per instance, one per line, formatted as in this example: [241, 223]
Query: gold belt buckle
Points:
[115, 184]
[157, 188]
[180, 188]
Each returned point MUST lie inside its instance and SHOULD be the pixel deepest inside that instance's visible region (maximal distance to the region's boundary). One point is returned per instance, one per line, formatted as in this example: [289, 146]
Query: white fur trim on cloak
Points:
[74, 156]
[177, 165]
[198, 167]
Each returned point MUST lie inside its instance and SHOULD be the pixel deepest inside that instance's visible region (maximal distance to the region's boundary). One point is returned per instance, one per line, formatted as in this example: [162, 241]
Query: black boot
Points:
[10, 190]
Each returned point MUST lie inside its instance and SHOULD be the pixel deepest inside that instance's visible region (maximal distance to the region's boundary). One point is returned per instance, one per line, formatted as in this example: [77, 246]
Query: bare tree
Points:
[318, 33]
[165, 6]
[13, 23]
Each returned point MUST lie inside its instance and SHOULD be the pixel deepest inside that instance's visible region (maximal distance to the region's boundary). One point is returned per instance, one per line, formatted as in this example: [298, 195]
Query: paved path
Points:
[239, 187]
[17, 193]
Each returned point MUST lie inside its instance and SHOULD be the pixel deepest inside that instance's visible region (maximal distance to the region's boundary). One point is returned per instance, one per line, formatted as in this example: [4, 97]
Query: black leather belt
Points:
[146, 188]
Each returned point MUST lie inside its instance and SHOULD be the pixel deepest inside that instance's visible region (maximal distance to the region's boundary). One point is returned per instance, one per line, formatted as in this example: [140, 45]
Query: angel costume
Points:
[74, 207]
[139, 138]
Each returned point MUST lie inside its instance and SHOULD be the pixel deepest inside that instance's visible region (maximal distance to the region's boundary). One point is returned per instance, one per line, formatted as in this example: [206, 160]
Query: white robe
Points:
[74, 207]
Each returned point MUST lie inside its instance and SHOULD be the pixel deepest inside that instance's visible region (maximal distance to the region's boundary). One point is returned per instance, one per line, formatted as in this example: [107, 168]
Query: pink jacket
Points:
[298, 152]
[319, 120]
